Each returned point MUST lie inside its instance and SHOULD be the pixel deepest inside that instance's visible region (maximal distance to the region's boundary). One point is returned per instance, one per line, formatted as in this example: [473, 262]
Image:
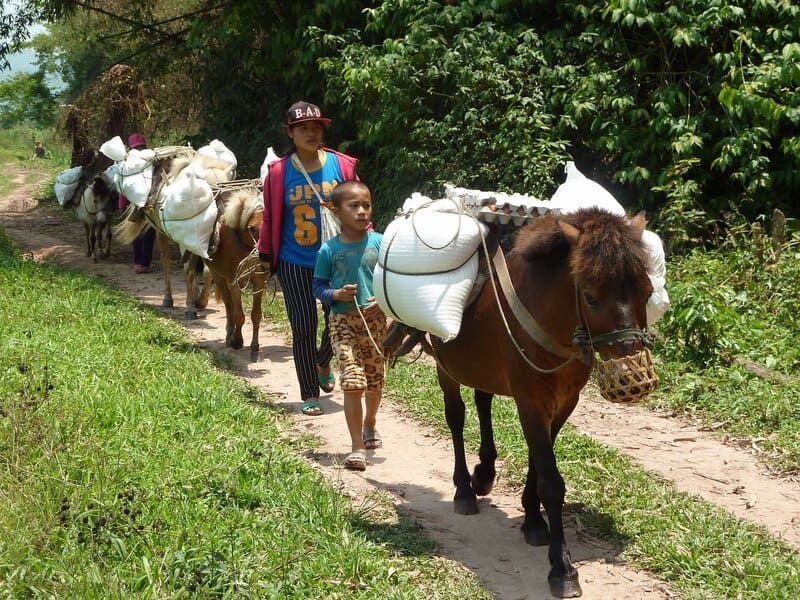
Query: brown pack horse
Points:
[571, 286]
[235, 239]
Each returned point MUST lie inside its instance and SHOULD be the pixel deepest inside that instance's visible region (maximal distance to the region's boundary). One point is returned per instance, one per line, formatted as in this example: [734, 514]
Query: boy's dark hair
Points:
[345, 188]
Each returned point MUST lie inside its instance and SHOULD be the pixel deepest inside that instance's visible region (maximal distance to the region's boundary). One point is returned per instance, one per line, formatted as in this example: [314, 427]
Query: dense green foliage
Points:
[731, 307]
[689, 110]
[26, 99]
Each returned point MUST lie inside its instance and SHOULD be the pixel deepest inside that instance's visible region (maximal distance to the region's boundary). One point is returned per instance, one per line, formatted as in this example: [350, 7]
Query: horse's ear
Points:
[570, 231]
[638, 224]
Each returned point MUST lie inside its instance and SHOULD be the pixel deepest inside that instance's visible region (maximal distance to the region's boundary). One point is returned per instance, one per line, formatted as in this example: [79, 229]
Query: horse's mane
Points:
[239, 207]
[607, 245]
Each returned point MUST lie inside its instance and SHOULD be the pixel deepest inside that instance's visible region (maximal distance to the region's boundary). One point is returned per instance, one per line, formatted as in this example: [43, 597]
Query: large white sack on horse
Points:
[67, 183]
[187, 210]
[432, 236]
[270, 158]
[216, 149]
[578, 191]
[214, 170]
[658, 303]
[134, 176]
[114, 148]
[433, 303]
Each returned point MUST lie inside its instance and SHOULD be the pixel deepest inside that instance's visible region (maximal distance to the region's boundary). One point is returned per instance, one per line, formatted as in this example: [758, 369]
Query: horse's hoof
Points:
[255, 354]
[190, 313]
[236, 344]
[536, 536]
[482, 480]
[167, 303]
[565, 587]
[465, 506]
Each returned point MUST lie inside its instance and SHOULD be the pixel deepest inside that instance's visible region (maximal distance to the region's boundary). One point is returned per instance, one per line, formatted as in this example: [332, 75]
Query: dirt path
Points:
[415, 465]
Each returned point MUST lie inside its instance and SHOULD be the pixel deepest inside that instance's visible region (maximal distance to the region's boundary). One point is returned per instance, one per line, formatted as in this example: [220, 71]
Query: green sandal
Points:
[326, 381]
[312, 408]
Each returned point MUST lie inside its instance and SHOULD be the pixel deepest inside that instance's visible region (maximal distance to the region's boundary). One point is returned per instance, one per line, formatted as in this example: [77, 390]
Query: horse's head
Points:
[612, 287]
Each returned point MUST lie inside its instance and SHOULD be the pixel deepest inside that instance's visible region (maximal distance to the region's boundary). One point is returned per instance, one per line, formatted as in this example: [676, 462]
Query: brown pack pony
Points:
[234, 240]
[570, 287]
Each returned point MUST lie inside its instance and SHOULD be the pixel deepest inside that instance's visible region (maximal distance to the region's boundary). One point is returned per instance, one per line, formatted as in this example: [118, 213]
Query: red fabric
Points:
[269, 237]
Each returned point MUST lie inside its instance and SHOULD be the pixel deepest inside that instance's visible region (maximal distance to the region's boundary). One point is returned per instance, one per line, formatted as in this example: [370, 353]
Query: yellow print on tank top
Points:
[302, 199]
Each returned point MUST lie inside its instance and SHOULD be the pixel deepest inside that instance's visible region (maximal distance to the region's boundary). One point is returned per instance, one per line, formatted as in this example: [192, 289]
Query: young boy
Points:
[343, 280]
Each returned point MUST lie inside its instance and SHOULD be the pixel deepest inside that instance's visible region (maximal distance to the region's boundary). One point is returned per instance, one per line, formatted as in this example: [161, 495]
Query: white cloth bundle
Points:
[216, 149]
[134, 177]
[427, 265]
[270, 158]
[187, 210]
[67, 183]
[114, 148]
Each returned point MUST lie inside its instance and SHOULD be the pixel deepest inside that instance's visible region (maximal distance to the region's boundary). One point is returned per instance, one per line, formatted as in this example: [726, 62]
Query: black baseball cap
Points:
[304, 111]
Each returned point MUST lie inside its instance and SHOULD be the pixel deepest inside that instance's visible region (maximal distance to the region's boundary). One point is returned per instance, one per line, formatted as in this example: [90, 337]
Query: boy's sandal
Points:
[371, 439]
[356, 461]
[326, 381]
[312, 408]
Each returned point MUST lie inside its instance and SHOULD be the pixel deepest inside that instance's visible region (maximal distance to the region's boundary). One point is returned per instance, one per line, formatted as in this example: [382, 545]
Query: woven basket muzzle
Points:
[626, 379]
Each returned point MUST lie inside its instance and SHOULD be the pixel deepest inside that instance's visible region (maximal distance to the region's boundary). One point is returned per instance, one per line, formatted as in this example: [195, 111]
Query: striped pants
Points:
[301, 308]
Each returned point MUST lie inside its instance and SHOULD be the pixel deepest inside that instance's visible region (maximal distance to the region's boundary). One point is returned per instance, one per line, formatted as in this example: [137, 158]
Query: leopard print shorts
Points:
[361, 365]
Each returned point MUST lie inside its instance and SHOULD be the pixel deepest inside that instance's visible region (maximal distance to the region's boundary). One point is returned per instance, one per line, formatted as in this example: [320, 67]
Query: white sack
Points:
[270, 158]
[658, 303]
[216, 149]
[134, 176]
[187, 210]
[427, 265]
[67, 183]
[434, 237]
[114, 149]
[433, 303]
[578, 191]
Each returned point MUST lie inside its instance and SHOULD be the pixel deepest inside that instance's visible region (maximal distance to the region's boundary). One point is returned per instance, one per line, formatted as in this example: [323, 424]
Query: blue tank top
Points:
[301, 227]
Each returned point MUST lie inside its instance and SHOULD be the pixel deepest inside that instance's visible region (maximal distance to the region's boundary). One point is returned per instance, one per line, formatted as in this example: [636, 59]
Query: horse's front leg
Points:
[465, 500]
[549, 485]
[166, 262]
[89, 245]
[484, 473]
[259, 287]
[192, 288]
[237, 340]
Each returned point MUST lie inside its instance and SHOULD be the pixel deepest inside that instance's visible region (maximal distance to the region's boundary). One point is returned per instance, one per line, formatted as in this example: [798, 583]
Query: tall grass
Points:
[132, 466]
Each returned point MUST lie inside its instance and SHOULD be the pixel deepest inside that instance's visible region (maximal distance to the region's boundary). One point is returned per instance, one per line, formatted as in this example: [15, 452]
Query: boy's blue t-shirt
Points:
[342, 264]
[301, 228]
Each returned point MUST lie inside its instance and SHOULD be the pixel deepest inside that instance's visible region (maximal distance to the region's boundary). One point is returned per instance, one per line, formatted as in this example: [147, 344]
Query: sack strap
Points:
[298, 164]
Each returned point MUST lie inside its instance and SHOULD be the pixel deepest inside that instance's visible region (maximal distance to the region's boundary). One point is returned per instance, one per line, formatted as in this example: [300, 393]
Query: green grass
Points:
[132, 466]
[736, 303]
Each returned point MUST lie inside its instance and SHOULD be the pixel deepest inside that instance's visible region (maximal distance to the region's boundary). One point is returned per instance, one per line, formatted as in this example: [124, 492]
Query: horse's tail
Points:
[132, 224]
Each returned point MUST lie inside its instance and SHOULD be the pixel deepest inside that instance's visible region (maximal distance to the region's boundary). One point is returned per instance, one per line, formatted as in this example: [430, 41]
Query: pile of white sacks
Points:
[428, 261]
[186, 206]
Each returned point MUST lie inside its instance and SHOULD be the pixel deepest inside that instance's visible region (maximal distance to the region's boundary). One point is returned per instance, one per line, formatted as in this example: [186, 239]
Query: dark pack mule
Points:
[572, 286]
